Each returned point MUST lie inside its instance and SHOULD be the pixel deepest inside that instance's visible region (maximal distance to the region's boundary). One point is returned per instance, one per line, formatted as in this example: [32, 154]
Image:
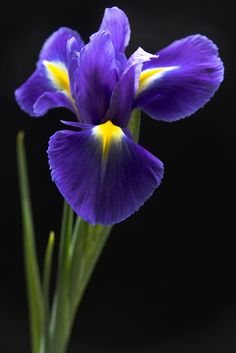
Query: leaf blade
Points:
[47, 273]
[33, 282]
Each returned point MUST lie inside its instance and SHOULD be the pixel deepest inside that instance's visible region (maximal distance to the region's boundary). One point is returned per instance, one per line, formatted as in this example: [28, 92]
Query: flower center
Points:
[108, 133]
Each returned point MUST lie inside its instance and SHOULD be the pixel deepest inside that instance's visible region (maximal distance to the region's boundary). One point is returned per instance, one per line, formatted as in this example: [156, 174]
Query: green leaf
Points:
[34, 289]
[77, 254]
[47, 273]
[96, 240]
[88, 243]
[46, 289]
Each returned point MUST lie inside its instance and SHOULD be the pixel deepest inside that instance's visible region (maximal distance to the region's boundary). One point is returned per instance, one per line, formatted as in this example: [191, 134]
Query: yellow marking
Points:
[145, 75]
[108, 133]
[149, 75]
[58, 74]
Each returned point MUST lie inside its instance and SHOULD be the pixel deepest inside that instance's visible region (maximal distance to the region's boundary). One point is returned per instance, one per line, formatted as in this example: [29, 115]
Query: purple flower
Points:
[101, 172]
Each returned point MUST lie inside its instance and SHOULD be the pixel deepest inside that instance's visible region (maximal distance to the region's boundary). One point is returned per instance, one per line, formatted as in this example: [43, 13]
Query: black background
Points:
[166, 282]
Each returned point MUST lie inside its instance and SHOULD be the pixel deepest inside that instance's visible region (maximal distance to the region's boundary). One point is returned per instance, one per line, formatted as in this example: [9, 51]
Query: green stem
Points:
[60, 317]
[92, 243]
[134, 124]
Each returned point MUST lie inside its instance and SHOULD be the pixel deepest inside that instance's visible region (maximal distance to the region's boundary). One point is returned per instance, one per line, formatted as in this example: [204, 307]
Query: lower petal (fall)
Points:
[50, 81]
[102, 173]
[181, 79]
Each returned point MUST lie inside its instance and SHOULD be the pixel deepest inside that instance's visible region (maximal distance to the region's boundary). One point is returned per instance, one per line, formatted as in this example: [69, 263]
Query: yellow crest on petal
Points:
[58, 75]
[108, 133]
[148, 76]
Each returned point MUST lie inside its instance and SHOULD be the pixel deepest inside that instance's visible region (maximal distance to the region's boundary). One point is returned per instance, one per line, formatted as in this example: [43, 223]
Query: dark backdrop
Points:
[166, 282]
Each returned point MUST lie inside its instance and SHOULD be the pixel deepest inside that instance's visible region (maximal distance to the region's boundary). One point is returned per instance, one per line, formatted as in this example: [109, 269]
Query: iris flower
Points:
[100, 171]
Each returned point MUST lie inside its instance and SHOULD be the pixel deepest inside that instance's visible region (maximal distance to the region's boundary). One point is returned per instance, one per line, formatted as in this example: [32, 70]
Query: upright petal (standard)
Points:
[116, 22]
[122, 98]
[97, 76]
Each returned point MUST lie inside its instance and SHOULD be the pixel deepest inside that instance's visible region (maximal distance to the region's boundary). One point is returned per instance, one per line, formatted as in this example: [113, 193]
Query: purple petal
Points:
[32, 90]
[121, 62]
[43, 82]
[116, 22]
[97, 77]
[73, 53]
[124, 93]
[102, 192]
[54, 49]
[51, 100]
[182, 79]
[122, 99]
[76, 124]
